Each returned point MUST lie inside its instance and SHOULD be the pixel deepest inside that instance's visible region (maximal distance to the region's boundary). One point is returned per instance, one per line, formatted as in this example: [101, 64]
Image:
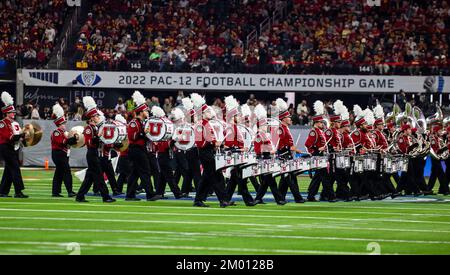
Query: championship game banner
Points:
[234, 82]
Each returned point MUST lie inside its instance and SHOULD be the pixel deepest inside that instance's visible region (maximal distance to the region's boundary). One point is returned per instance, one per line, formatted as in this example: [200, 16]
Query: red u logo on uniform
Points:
[184, 136]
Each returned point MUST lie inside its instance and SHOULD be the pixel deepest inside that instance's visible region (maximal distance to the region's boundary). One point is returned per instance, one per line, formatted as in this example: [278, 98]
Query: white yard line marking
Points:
[218, 215]
[233, 234]
[197, 248]
[280, 209]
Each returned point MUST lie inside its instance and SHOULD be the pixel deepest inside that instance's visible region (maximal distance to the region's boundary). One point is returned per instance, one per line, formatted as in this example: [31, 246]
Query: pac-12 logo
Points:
[88, 79]
[373, 3]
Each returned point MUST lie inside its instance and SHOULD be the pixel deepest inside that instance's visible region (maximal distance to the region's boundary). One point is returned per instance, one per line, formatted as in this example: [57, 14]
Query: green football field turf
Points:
[45, 225]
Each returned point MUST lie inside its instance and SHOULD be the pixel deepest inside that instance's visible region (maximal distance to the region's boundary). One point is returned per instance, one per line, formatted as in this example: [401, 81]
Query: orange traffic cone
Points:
[46, 163]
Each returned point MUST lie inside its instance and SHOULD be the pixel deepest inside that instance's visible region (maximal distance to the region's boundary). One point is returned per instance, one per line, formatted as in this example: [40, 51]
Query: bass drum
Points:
[184, 137]
[159, 129]
[113, 132]
[248, 135]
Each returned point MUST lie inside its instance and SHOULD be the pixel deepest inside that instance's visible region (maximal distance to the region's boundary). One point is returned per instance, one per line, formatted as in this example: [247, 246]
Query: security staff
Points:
[94, 173]
[10, 137]
[60, 154]
[137, 152]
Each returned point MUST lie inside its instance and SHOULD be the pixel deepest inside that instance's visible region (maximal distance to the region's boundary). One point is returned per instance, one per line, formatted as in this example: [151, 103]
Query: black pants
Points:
[289, 180]
[210, 177]
[94, 174]
[321, 175]
[408, 181]
[124, 170]
[182, 170]
[11, 174]
[140, 170]
[155, 169]
[109, 171]
[236, 180]
[419, 169]
[266, 182]
[341, 178]
[62, 172]
[193, 160]
[363, 184]
[255, 183]
[167, 163]
[438, 173]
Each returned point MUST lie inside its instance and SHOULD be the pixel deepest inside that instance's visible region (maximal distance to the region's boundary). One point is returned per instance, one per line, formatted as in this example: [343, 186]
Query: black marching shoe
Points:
[132, 199]
[417, 194]
[224, 204]
[20, 196]
[5, 196]
[332, 200]
[231, 203]
[250, 203]
[71, 194]
[200, 204]
[155, 198]
[81, 200]
[109, 200]
[181, 196]
[281, 202]
[365, 197]
[57, 196]
[311, 199]
[300, 201]
[259, 202]
[428, 193]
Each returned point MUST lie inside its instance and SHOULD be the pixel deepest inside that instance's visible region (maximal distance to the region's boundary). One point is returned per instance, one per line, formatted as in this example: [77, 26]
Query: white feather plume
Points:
[358, 111]
[338, 107]
[245, 110]
[187, 103]
[89, 103]
[369, 117]
[197, 100]
[281, 105]
[319, 109]
[345, 115]
[138, 98]
[177, 114]
[7, 99]
[58, 110]
[120, 119]
[260, 112]
[378, 111]
[157, 111]
[231, 103]
[212, 111]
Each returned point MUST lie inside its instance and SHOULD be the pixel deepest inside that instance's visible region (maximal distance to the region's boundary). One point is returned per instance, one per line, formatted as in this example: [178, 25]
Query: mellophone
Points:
[251, 166]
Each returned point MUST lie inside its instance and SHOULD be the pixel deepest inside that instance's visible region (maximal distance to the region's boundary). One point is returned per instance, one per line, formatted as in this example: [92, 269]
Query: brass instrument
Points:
[442, 154]
[33, 134]
[79, 131]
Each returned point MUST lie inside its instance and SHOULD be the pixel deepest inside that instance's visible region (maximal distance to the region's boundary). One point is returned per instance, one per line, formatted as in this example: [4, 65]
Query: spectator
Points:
[120, 105]
[167, 107]
[35, 113]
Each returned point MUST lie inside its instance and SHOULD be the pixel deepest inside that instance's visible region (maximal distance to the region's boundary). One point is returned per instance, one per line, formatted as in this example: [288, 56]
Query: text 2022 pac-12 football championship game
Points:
[224, 135]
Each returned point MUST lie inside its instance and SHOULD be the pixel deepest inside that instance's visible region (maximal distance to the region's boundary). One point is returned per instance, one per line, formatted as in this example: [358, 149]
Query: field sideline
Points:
[45, 225]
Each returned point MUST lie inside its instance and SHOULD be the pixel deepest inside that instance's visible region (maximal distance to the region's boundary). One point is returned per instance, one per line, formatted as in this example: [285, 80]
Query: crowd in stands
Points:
[29, 29]
[405, 37]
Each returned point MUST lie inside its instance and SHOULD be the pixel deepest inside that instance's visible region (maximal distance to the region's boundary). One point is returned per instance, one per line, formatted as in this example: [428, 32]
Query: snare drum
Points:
[159, 129]
[370, 163]
[223, 160]
[184, 137]
[249, 159]
[219, 128]
[113, 132]
[285, 167]
[248, 136]
[403, 164]
[387, 165]
[358, 166]
[342, 161]
[319, 162]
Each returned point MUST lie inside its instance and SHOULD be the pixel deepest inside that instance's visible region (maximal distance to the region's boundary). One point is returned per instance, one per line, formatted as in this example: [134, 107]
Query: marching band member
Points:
[437, 147]
[10, 136]
[246, 114]
[207, 143]
[234, 141]
[362, 183]
[94, 173]
[137, 152]
[407, 181]
[181, 162]
[347, 144]
[265, 149]
[333, 136]
[316, 144]
[166, 161]
[284, 149]
[123, 165]
[382, 145]
[389, 134]
[60, 154]
[192, 154]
